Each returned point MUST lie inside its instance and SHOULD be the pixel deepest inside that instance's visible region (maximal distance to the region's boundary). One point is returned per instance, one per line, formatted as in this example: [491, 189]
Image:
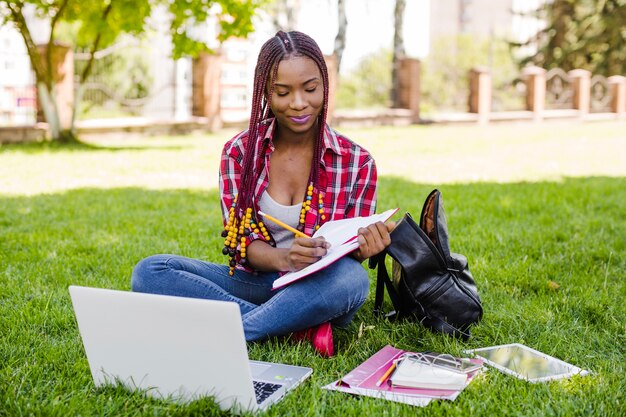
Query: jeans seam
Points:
[234, 277]
[358, 305]
[211, 287]
[266, 304]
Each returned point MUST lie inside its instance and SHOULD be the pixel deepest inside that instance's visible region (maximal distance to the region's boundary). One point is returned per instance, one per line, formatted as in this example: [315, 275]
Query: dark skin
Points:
[297, 101]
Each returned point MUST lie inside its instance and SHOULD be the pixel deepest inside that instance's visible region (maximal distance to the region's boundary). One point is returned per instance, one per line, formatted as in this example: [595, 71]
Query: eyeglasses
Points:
[442, 360]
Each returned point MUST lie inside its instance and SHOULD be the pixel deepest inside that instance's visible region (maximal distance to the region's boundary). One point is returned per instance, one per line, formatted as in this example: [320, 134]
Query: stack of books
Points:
[409, 377]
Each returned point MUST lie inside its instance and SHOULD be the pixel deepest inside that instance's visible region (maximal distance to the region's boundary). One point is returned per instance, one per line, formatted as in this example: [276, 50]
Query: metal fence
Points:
[601, 94]
[509, 95]
[559, 90]
[135, 78]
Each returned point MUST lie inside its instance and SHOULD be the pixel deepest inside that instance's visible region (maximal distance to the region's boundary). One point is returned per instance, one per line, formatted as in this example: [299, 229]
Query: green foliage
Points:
[105, 20]
[126, 73]
[96, 24]
[368, 85]
[130, 74]
[234, 19]
[583, 34]
[445, 72]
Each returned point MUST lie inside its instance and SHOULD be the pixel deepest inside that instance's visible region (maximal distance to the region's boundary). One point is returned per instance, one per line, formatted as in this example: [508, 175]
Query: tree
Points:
[368, 85]
[398, 51]
[284, 14]
[583, 34]
[100, 22]
[342, 26]
[444, 77]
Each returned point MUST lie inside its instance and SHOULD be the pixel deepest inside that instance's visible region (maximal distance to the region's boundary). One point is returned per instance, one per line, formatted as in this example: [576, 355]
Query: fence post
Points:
[409, 94]
[617, 85]
[331, 65]
[63, 76]
[480, 93]
[206, 71]
[581, 83]
[535, 79]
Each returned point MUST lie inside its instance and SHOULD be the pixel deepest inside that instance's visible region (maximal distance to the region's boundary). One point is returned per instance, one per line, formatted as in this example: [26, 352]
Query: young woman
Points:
[291, 165]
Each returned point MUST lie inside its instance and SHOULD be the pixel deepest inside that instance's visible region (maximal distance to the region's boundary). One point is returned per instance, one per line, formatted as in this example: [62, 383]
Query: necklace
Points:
[238, 228]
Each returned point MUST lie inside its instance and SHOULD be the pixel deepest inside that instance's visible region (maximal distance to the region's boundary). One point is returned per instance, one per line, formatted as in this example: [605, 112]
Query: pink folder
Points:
[362, 381]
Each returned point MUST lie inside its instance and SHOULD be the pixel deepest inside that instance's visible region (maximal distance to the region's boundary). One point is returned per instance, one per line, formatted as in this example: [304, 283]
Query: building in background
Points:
[485, 19]
[481, 18]
[370, 28]
[170, 93]
[237, 72]
[17, 86]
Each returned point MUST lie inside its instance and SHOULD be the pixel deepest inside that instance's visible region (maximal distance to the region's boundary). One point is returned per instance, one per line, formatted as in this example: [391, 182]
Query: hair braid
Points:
[281, 46]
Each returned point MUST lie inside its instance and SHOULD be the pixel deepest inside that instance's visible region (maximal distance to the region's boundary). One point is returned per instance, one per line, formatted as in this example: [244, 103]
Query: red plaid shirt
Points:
[347, 176]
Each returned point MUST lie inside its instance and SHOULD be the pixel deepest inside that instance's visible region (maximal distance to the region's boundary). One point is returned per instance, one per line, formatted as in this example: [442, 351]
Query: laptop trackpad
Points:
[258, 368]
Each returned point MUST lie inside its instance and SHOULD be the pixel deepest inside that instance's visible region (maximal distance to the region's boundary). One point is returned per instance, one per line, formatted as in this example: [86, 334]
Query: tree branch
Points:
[94, 47]
[33, 52]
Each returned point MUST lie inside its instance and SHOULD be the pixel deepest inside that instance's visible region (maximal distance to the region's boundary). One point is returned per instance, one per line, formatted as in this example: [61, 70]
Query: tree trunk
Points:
[50, 110]
[398, 51]
[40, 60]
[284, 14]
[340, 39]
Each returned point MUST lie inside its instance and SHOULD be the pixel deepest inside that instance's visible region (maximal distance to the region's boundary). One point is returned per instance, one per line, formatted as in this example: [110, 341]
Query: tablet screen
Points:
[526, 363]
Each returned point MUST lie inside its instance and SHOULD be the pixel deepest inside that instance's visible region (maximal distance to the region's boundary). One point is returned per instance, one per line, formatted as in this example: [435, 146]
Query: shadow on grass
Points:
[78, 146]
[548, 259]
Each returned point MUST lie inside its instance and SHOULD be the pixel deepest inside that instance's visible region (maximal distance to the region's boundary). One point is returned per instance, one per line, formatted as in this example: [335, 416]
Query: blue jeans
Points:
[332, 294]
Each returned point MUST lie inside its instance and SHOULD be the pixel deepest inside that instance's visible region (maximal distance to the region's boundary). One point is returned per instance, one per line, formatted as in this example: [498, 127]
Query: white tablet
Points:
[526, 363]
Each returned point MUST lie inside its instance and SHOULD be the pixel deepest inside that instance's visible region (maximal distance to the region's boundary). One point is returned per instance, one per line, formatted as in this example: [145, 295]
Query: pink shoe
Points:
[321, 338]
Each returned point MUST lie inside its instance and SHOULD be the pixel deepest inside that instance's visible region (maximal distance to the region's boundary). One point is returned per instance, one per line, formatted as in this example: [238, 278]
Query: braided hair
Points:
[283, 45]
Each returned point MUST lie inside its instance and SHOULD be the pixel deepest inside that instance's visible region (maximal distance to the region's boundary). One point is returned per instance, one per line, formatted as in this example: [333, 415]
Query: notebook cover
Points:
[369, 372]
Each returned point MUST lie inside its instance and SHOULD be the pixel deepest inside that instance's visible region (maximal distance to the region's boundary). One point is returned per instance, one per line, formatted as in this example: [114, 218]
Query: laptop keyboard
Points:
[262, 390]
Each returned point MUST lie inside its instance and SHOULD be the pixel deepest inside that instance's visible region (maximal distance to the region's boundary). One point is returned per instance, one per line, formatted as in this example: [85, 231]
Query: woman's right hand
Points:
[305, 251]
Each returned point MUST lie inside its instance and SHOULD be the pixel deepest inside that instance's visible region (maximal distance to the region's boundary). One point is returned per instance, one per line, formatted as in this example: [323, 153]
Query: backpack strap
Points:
[382, 281]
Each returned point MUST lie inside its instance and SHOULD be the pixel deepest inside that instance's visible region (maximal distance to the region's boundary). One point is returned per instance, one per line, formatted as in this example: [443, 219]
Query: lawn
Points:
[537, 209]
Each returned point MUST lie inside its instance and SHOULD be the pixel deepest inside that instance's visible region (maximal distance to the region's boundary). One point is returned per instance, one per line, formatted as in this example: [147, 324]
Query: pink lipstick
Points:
[300, 119]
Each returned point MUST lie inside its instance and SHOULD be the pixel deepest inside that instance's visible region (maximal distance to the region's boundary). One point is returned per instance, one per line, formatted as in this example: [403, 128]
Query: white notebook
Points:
[414, 374]
[342, 235]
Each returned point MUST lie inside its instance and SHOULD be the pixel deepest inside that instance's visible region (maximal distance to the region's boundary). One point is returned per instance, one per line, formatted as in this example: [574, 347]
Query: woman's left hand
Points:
[373, 239]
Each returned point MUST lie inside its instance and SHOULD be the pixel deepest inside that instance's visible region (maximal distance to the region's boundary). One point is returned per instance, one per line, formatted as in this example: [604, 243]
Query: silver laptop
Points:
[176, 348]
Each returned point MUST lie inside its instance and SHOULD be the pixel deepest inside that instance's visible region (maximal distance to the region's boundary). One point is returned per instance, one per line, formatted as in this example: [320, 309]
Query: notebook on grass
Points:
[176, 348]
[364, 380]
[411, 373]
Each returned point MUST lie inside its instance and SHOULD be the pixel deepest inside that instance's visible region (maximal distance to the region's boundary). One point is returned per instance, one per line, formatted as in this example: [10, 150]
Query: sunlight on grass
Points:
[548, 254]
[423, 154]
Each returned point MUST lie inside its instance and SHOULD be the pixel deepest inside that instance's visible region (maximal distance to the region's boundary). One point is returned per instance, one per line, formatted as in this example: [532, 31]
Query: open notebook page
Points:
[342, 235]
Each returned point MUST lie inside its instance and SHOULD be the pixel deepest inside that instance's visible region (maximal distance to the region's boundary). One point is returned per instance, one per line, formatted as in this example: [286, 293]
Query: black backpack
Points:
[429, 283]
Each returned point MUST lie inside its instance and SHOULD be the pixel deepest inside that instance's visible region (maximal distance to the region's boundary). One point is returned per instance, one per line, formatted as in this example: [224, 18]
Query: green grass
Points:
[548, 256]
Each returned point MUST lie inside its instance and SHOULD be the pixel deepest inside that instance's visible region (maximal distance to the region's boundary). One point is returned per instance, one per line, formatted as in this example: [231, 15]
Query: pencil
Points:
[384, 377]
[286, 226]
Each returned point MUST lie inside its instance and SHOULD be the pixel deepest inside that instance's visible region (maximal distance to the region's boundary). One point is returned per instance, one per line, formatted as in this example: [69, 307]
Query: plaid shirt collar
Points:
[330, 139]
